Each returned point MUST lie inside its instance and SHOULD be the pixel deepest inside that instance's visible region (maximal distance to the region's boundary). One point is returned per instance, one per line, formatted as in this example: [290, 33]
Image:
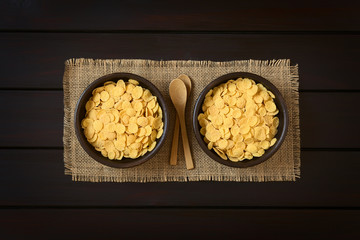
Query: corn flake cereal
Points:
[238, 120]
[123, 119]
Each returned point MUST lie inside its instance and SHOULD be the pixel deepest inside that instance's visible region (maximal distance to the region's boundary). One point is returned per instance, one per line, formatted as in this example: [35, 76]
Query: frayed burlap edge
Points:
[67, 121]
[294, 73]
[240, 178]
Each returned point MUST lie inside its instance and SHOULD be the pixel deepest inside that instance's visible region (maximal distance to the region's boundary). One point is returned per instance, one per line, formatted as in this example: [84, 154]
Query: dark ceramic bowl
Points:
[80, 114]
[282, 115]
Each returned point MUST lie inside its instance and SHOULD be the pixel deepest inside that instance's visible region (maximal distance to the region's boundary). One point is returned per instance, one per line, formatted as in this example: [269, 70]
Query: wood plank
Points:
[32, 118]
[325, 61]
[183, 15]
[36, 178]
[179, 224]
[35, 119]
[326, 120]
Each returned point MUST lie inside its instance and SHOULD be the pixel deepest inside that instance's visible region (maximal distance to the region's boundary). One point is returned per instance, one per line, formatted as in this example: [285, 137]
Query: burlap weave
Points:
[283, 166]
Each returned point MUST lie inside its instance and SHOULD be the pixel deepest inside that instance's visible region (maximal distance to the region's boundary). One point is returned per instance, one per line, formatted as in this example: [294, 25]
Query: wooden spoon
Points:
[175, 141]
[178, 95]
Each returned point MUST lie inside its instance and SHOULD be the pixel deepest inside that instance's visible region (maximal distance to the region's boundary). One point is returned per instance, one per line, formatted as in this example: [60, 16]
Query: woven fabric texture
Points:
[283, 166]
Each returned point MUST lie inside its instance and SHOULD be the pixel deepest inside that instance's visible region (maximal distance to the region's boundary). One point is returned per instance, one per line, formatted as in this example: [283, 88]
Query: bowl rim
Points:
[90, 150]
[279, 101]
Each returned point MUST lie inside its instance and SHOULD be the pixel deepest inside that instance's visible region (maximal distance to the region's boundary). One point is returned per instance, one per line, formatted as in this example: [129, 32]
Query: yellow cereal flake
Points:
[220, 153]
[276, 122]
[104, 96]
[104, 152]
[137, 92]
[129, 87]
[110, 135]
[258, 99]
[108, 104]
[89, 105]
[133, 128]
[159, 133]
[265, 144]
[98, 125]
[126, 97]
[253, 120]
[273, 141]
[271, 94]
[130, 112]
[141, 132]
[130, 139]
[203, 122]
[237, 113]
[117, 91]
[138, 106]
[210, 145]
[148, 130]
[109, 145]
[153, 135]
[133, 153]
[232, 87]
[152, 146]
[248, 155]
[92, 114]
[134, 82]
[86, 122]
[213, 135]
[222, 143]
[108, 83]
[142, 121]
[151, 104]
[98, 90]
[219, 103]
[217, 120]
[262, 111]
[122, 120]
[89, 132]
[239, 119]
[253, 90]
[125, 104]
[244, 129]
[270, 106]
[147, 96]
[121, 83]
[228, 122]
[120, 145]
[105, 118]
[157, 123]
[260, 133]
[156, 108]
[203, 131]
[93, 139]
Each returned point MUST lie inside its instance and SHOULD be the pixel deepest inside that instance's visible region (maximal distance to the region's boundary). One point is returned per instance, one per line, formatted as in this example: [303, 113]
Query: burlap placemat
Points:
[283, 166]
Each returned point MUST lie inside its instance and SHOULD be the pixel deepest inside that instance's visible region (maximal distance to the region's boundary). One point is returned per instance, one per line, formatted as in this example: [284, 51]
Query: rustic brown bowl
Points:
[282, 115]
[80, 114]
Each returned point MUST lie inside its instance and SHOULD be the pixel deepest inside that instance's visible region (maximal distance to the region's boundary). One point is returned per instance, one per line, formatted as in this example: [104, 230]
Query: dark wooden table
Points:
[39, 201]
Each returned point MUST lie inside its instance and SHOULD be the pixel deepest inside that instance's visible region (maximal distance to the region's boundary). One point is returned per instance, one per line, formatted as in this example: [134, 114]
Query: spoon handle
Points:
[175, 142]
[185, 141]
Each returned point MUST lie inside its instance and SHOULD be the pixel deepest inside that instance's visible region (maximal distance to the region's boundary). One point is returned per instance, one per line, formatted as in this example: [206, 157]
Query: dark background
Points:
[39, 201]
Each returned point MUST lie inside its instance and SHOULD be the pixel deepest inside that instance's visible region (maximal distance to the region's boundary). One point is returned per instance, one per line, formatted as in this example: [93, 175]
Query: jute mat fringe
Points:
[283, 166]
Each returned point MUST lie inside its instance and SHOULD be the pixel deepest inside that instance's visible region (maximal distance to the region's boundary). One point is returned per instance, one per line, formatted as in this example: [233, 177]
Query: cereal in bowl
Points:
[122, 119]
[239, 119]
